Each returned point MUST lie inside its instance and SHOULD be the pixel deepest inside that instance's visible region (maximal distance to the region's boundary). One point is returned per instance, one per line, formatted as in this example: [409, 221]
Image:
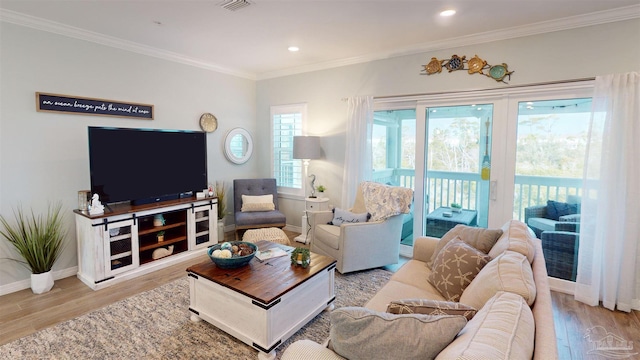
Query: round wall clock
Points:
[208, 122]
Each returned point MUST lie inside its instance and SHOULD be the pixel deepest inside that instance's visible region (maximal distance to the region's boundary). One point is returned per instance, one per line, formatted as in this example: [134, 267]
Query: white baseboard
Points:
[26, 283]
[292, 228]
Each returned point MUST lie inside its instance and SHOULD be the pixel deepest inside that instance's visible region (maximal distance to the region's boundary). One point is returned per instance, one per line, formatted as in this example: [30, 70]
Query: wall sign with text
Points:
[89, 106]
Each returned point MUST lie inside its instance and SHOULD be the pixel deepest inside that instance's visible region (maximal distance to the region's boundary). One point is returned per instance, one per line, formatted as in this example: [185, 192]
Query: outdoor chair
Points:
[560, 249]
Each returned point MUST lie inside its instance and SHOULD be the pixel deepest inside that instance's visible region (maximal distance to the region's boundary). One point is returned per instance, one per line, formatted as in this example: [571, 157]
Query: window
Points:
[286, 122]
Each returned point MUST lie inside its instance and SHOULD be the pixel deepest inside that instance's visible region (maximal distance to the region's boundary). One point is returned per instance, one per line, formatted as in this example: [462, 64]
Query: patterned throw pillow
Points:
[430, 307]
[455, 267]
[480, 238]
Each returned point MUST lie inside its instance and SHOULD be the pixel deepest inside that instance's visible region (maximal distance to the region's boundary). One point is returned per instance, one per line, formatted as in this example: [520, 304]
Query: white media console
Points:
[128, 241]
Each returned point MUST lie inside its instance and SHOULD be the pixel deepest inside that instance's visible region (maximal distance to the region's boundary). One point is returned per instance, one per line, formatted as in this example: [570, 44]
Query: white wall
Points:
[44, 156]
[565, 55]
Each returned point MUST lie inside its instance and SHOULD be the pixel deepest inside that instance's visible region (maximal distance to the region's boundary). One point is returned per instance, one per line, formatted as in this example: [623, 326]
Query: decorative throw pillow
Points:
[257, 203]
[361, 333]
[343, 216]
[509, 272]
[430, 307]
[480, 238]
[455, 267]
[556, 209]
[503, 329]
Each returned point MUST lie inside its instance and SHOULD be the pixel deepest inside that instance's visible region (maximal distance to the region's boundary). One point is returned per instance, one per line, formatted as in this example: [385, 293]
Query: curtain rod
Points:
[475, 90]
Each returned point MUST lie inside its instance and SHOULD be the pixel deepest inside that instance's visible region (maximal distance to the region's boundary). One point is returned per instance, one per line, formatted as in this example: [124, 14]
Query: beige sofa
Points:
[484, 335]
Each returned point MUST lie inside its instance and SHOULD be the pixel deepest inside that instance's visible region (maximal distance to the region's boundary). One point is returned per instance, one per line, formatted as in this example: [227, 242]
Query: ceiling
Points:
[252, 41]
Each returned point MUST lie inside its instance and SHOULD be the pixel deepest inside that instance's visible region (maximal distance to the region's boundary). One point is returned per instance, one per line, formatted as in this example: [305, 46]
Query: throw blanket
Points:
[384, 201]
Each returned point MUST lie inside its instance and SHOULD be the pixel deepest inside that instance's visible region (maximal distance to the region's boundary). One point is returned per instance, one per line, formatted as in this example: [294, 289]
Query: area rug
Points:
[155, 325]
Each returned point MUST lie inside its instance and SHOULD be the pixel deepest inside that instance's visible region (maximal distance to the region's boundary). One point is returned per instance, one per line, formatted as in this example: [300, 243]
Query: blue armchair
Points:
[256, 219]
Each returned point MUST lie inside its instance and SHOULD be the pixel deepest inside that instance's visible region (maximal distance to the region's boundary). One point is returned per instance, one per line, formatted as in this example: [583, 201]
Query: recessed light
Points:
[293, 48]
[449, 12]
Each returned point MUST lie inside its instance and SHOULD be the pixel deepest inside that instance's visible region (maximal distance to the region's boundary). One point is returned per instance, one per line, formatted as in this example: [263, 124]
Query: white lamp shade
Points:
[306, 147]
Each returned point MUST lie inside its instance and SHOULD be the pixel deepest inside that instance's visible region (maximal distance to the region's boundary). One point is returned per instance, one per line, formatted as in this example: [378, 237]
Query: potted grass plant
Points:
[39, 240]
[220, 192]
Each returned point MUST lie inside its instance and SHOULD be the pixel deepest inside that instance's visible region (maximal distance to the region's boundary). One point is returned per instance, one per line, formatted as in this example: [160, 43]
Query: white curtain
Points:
[357, 159]
[609, 255]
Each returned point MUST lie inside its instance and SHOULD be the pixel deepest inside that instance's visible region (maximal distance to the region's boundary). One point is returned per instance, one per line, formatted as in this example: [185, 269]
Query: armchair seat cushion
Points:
[260, 218]
[328, 235]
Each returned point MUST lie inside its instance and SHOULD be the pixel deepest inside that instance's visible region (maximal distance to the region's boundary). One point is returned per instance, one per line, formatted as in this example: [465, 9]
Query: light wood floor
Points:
[23, 313]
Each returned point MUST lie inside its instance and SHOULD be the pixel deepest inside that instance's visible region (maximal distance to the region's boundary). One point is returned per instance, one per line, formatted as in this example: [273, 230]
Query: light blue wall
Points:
[559, 56]
[44, 156]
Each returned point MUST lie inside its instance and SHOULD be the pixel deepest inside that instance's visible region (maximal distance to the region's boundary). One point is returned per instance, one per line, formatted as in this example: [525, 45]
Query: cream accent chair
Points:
[356, 246]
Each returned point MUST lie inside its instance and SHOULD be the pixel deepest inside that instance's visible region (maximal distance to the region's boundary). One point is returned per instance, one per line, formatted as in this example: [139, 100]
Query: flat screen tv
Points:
[146, 165]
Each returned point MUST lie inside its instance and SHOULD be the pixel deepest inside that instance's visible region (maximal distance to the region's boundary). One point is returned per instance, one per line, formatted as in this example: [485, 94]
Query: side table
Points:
[311, 204]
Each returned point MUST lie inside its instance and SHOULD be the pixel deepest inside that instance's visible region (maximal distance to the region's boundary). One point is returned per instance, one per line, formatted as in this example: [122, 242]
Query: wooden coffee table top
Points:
[263, 281]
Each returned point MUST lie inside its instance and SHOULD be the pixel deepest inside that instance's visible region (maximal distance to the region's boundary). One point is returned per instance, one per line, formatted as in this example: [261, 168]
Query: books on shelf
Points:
[271, 253]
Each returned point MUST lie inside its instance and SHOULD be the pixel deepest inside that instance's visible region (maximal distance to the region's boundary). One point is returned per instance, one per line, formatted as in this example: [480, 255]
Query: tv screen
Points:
[145, 165]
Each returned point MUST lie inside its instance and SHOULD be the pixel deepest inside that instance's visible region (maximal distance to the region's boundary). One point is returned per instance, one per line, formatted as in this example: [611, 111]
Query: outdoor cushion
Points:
[361, 333]
[543, 224]
[556, 209]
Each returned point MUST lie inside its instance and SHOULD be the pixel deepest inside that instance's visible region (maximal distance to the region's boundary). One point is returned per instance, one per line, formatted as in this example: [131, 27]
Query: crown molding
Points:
[81, 34]
[597, 18]
[573, 22]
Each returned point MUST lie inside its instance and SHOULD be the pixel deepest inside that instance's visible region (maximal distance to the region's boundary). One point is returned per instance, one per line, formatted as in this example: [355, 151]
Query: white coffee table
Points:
[264, 303]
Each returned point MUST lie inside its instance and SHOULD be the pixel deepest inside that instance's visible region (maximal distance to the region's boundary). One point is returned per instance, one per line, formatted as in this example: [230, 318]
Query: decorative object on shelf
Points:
[307, 148]
[475, 65]
[456, 208]
[39, 240]
[160, 236]
[238, 146]
[84, 200]
[158, 220]
[89, 106]
[208, 122]
[162, 252]
[321, 188]
[96, 207]
[233, 254]
[485, 173]
[301, 257]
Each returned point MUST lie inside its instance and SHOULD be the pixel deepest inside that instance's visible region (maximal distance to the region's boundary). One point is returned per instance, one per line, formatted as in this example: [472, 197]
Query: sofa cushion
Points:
[257, 203]
[510, 272]
[515, 237]
[456, 265]
[361, 333]
[430, 307]
[327, 234]
[555, 209]
[503, 329]
[341, 216]
[480, 238]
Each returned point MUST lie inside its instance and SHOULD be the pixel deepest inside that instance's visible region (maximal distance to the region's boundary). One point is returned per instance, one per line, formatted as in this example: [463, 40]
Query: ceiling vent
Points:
[234, 5]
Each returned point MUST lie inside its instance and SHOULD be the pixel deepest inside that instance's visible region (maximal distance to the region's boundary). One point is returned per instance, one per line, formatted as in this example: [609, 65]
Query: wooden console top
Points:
[263, 281]
[126, 208]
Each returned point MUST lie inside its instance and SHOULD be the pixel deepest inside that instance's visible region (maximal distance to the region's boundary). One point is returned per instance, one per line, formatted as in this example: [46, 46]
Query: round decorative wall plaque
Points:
[208, 122]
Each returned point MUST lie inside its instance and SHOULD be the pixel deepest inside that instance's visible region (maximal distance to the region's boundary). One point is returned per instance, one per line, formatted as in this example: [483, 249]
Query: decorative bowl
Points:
[234, 261]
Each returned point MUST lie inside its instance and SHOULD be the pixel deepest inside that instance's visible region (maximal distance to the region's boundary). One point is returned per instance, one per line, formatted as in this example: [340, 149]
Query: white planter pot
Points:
[220, 230]
[41, 283]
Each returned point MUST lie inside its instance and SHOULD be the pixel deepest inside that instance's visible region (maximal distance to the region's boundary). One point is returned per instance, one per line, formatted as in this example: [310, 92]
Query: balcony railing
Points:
[470, 191]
